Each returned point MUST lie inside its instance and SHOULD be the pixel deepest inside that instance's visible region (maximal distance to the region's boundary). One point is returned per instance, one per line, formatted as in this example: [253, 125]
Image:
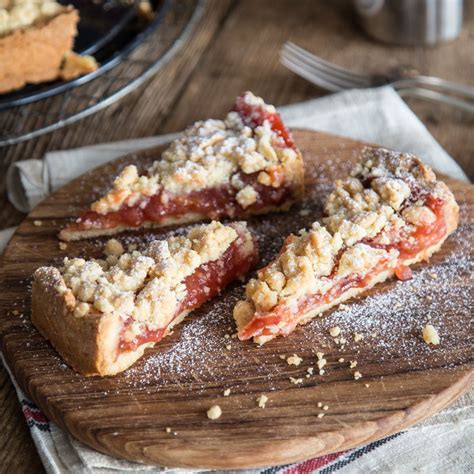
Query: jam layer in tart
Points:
[101, 314]
[245, 164]
[390, 213]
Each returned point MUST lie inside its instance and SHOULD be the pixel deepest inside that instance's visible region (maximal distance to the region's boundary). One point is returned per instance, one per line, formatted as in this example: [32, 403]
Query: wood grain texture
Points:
[234, 48]
[126, 416]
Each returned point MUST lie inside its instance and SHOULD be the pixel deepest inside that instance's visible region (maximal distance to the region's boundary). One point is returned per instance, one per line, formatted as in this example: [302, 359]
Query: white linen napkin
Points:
[439, 445]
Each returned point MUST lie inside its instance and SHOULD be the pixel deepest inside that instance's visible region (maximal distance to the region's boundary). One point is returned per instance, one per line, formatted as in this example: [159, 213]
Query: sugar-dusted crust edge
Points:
[40, 47]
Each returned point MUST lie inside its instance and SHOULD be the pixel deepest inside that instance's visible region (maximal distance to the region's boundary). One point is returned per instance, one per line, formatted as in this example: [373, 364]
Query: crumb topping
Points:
[209, 154]
[375, 203]
[146, 286]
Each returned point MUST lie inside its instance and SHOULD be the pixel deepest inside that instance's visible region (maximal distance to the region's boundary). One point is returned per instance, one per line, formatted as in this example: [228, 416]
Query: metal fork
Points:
[335, 78]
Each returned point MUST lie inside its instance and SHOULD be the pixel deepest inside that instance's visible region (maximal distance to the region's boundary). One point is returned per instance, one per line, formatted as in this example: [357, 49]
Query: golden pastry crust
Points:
[88, 308]
[384, 201]
[34, 53]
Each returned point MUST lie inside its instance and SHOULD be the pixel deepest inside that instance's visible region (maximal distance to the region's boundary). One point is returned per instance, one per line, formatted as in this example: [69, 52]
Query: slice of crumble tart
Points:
[391, 212]
[101, 315]
[245, 164]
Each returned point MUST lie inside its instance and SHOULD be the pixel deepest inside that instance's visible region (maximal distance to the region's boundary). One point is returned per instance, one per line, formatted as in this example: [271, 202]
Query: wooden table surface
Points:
[235, 48]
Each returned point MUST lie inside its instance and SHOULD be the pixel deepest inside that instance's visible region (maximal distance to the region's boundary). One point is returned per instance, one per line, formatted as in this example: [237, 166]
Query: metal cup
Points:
[411, 22]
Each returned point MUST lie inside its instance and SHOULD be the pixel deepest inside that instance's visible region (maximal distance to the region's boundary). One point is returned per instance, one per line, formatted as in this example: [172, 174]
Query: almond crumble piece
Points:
[214, 412]
[430, 335]
[357, 375]
[335, 331]
[294, 360]
[262, 400]
[226, 392]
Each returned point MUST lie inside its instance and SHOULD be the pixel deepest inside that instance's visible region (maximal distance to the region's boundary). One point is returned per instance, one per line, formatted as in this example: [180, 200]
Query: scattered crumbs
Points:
[15, 312]
[226, 336]
[430, 335]
[226, 392]
[358, 337]
[320, 415]
[233, 336]
[295, 381]
[319, 355]
[228, 347]
[282, 356]
[310, 370]
[38, 223]
[429, 298]
[433, 275]
[357, 375]
[352, 364]
[325, 408]
[373, 334]
[322, 372]
[62, 245]
[214, 412]
[304, 212]
[168, 429]
[341, 360]
[343, 307]
[294, 360]
[367, 385]
[320, 405]
[113, 248]
[262, 400]
[132, 247]
[321, 363]
[334, 331]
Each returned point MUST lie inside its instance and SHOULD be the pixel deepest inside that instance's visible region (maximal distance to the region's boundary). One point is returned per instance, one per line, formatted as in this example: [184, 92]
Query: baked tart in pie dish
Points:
[101, 314]
[243, 165]
[391, 212]
[36, 41]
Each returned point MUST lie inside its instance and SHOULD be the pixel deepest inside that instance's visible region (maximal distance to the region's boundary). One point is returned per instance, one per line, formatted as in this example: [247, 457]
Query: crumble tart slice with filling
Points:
[391, 212]
[245, 164]
[101, 315]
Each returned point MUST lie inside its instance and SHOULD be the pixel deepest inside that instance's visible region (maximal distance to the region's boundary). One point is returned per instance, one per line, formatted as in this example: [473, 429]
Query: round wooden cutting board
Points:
[308, 414]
